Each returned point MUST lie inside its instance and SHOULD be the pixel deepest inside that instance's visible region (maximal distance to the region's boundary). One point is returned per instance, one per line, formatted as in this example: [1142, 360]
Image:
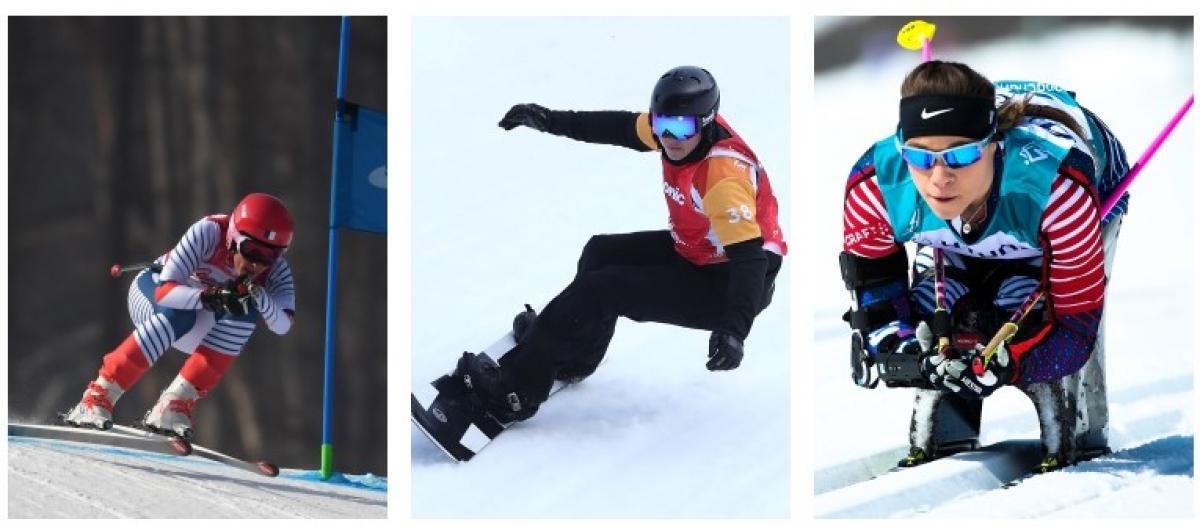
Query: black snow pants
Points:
[638, 276]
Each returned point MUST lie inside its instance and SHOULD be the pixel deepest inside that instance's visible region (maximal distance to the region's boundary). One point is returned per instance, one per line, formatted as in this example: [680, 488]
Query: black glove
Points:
[724, 351]
[232, 297]
[971, 378]
[530, 115]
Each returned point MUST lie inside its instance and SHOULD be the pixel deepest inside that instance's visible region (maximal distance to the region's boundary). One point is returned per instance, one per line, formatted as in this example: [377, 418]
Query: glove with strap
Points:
[973, 377]
[232, 297]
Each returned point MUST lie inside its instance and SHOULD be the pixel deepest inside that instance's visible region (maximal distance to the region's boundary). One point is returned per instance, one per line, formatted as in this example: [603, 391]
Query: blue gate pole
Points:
[332, 269]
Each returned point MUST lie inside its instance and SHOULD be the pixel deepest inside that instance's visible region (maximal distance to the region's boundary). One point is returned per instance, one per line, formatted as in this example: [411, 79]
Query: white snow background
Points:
[499, 219]
[1135, 80]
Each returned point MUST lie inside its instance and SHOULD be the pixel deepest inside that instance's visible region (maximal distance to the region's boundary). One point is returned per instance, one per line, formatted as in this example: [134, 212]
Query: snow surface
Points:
[499, 219]
[55, 479]
[1149, 308]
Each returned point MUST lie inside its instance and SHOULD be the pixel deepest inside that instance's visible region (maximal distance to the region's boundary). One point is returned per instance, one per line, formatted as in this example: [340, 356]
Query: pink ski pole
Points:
[1141, 162]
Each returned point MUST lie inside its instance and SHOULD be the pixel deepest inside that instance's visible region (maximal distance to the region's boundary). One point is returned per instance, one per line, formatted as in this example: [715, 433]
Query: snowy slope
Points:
[53, 479]
[499, 219]
[1149, 308]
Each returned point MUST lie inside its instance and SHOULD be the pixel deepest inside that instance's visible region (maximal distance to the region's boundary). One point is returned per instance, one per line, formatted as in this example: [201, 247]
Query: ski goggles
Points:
[677, 127]
[956, 157]
[256, 251]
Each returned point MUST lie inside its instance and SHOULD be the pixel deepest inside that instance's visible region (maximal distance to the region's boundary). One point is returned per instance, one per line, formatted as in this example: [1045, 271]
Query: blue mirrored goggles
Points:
[956, 157]
[677, 127]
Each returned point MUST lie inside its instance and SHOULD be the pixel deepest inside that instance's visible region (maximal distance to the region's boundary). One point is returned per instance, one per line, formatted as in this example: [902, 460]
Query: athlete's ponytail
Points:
[1012, 110]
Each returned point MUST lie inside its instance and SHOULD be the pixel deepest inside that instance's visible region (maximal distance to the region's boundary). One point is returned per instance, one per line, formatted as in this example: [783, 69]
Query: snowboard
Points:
[453, 424]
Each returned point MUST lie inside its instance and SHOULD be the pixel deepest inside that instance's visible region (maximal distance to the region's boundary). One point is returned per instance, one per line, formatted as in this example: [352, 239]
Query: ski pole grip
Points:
[1006, 332]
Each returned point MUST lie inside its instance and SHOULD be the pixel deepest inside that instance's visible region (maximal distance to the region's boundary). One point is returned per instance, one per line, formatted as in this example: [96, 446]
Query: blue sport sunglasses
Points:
[955, 157]
[677, 127]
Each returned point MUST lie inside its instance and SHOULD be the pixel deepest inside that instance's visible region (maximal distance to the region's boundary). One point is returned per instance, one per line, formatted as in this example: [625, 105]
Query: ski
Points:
[142, 441]
[263, 468]
[1081, 458]
[986, 468]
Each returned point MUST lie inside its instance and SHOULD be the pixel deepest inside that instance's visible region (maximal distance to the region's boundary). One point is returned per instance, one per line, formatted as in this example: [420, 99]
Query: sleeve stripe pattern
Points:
[865, 227]
[197, 245]
[277, 303]
[1071, 224]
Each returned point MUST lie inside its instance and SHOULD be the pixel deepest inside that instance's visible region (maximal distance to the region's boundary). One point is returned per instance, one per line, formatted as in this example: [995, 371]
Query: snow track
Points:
[1146, 452]
[49, 478]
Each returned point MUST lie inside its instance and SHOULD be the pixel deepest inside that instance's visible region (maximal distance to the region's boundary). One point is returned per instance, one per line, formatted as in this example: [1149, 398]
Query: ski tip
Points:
[268, 469]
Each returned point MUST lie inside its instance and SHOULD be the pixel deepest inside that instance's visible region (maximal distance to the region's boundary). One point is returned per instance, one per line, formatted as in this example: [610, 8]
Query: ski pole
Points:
[941, 314]
[918, 35]
[117, 269]
[1006, 332]
[1141, 162]
[1009, 328]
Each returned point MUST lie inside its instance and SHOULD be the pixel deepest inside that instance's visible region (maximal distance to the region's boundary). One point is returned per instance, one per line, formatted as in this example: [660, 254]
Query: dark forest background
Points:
[125, 131]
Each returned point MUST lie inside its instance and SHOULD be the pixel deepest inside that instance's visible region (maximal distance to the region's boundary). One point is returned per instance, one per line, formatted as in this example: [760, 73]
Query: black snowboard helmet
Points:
[686, 91]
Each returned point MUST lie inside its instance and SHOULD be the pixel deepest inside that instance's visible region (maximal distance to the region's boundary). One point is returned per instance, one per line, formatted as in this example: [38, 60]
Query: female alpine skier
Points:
[204, 297]
[714, 269]
[1002, 183]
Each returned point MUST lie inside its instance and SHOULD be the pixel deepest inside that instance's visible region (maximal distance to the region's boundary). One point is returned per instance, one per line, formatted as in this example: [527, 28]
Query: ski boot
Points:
[95, 410]
[172, 414]
[483, 385]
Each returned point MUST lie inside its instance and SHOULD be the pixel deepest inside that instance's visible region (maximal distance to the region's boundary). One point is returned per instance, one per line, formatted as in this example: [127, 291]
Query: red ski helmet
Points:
[264, 219]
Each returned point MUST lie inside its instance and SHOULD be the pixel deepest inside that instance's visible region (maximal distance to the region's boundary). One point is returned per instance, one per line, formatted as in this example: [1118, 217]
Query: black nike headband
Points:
[937, 115]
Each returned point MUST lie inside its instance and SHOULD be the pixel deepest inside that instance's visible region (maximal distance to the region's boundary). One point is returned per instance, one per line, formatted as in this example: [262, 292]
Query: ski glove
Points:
[230, 297]
[530, 115]
[724, 351]
[970, 378]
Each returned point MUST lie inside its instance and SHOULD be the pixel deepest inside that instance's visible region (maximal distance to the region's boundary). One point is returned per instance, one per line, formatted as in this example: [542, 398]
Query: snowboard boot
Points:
[522, 322]
[172, 414]
[486, 387]
[95, 410]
